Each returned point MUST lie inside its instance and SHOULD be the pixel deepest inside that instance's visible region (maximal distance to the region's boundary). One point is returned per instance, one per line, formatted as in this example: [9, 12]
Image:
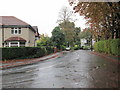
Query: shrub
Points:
[96, 46]
[25, 52]
[49, 49]
[63, 47]
[76, 47]
[115, 47]
[86, 47]
[108, 46]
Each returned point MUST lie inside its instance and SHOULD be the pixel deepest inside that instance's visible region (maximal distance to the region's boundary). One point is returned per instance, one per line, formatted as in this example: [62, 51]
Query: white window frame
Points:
[14, 44]
[16, 30]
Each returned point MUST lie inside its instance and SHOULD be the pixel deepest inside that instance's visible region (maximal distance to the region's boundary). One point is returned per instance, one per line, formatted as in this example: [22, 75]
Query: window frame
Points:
[16, 31]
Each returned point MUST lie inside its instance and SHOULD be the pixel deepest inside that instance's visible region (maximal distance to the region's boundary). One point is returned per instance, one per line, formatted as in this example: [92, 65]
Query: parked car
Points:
[68, 48]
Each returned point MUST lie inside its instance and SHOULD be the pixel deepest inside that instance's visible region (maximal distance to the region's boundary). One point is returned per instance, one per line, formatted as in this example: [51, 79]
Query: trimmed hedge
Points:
[24, 52]
[49, 49]
[108, 46]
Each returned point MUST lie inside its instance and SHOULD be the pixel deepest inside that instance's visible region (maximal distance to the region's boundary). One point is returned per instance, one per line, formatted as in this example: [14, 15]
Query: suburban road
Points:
[77, 69]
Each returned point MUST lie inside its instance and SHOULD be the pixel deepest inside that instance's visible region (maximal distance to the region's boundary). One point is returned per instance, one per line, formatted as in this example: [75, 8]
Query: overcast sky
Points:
[41, 13]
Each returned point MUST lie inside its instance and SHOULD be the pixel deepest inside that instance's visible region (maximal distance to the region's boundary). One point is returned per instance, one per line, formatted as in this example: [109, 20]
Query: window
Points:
[15, 44]
[22, 44]
[15, 30]
[6, 44]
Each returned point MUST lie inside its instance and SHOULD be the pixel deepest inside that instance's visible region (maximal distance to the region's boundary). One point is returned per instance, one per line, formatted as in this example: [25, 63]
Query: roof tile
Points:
[11, 20]
[15, 39]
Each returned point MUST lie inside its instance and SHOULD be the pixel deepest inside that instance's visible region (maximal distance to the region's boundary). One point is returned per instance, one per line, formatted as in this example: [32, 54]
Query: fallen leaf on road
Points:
[77, 83]
[97, 67]
[78, 60]
[75, 71]
[104, 64]
[67, 78]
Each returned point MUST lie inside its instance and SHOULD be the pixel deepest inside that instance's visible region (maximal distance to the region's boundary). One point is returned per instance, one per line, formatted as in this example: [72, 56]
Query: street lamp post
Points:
[91, 42]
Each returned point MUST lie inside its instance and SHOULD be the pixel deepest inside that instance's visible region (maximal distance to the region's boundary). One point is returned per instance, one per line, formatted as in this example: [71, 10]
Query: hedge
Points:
[49, 49]
[108, 46]
[24, 52]
[86, 47]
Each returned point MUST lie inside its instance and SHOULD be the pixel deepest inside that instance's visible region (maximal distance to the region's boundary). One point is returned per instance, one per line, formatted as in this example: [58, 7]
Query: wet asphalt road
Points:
[78, 69]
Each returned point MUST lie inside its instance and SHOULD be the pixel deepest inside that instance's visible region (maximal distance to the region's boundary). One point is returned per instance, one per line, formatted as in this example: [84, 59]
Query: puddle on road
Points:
[60, 66]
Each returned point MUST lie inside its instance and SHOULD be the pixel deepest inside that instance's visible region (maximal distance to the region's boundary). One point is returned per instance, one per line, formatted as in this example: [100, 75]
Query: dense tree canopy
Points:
[58, 37]
[44, 41]
[66, 23]
[68, 29]
[76, 32]
[103, 17]
[86, 34]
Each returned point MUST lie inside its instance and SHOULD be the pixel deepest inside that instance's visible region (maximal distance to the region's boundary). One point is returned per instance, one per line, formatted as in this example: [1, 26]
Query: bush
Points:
[25, 52]
[49, 49]
[86, 47]
[115, 47]
[108, 46]
[63, 47]
[76, 47]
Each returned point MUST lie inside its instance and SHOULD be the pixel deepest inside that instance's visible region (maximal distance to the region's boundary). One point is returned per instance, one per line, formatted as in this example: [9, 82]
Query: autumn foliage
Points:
[103, 17]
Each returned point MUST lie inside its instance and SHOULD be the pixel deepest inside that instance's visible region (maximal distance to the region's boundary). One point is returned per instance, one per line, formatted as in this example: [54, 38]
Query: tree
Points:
[76, 35]
[65, 15]
[44, 41]
[58, 37]
[103, 17]
[86, 34]
[66, 23]
[68, 30]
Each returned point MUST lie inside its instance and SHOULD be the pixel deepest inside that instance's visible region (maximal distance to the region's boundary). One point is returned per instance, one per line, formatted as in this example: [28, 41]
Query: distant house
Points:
[37, 35]
[16, 33]
[85, 42]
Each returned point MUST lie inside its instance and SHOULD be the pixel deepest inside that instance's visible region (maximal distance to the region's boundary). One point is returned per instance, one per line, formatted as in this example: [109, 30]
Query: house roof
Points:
[15, 39]
[36, 29]
[11, 20]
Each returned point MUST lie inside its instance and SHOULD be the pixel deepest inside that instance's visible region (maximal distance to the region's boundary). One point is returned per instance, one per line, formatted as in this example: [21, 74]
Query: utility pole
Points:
[91, 42]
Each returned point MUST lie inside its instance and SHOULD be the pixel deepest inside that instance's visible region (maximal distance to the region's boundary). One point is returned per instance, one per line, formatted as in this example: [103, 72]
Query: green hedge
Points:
[49, 49]
[108, 46]
[86, 47]
[24, 52]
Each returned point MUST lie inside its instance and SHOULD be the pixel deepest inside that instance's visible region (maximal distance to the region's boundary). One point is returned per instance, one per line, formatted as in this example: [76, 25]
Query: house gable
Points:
[9, 25]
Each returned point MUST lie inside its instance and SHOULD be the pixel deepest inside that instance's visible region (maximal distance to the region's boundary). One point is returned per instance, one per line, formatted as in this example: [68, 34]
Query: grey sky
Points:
[41, 13]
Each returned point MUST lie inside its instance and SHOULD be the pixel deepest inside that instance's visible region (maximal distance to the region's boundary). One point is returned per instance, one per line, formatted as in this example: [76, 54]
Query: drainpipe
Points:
[34, 43]
[2, 35]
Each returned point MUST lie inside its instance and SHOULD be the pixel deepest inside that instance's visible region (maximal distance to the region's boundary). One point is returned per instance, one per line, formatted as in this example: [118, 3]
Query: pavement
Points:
[15, 63]
[109, 57]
